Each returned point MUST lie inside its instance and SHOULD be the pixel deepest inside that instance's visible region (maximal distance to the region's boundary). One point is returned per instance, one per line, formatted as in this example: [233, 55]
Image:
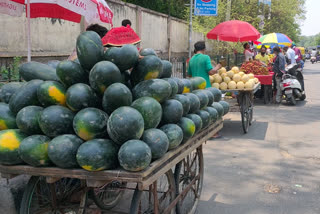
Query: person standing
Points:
[278, 69]
[200, 64]
[262, 56]
[298, 53]
[290, 54]
[248, 54]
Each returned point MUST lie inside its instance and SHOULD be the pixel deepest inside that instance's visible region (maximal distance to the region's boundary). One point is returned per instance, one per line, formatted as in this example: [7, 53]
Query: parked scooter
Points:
[313, 59]
[292, 85]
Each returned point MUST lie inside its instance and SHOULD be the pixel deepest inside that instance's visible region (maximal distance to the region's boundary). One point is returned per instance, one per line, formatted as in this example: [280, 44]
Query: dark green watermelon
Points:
[219, 108]
[70, 73]
[198, 83]
[213, 113]
[150, 67]
[187, 86]
[216, 93]
[115, 96]
[7, 118]
[203, 98]
[174, 134]
[124, 58]
[53, 63]
[210, 97]
[184, 100]
[104, 74]
[126, 78]
[27, 120]
[56, 120]
[172, 111]
[174, 86]
[36, 70]
[180, 85]
[90, 123]
[188, 127]
[34, 150]
[25, 96]
[80, 96]
[89, 49]
[51, 93]
[147, 52]
[10, 141]
[197, 121]
[158, 142]
[225, 106]
[156, 88]
[124, 124]
[194, 102]
[7, 90]
[150, 109]
[205, 117]
[166, 69]
[135, 155]
[97, 155]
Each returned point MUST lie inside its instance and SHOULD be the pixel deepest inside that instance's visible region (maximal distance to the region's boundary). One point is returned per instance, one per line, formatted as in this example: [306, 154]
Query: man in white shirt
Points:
[290, 54]
[247, 52]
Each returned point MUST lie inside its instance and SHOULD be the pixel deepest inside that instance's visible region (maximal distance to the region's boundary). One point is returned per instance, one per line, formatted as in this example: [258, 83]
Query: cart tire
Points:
[250, 109]
[292, 100]
[38, 197]
[108, 196]
[245, 113]
[143, 200]
[189, 169]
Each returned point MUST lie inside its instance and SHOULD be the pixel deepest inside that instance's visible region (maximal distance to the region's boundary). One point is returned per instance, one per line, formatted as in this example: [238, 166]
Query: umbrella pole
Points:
[28, 31]
[190, 28]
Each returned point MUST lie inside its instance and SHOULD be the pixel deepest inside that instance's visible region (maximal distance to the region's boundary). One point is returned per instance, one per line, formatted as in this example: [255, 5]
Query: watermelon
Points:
[53, 63]
[205, 117]
[90, 123]
[125, 75]
[187, 86]
[51, 93]
[197, 121]
[184, 100]
[115, 96]
[180, 85]
[198, 83]
[158, 142]
[194, 102]
[219, 108]
[56, 120]
[97, 155]
[150, 67]
[166, 69]
[7, 118]
[174, 134]
[63, 149]
[25, 96]
[210, 97]
[102, 75]
[147, 52]
[134, 155]
[124, 58]
[70, 73]
[89, 49]
[157, 88]
[213, 113]
[7, 90]
[36, 70]
[27, 120]
[203, 98]
[10, 141]
[174, 86]
[80, 96]
[34, 150]
[172, 111]
[216, 94]
[188, 127]
[225, 106]
[124, 124]
[150, 110]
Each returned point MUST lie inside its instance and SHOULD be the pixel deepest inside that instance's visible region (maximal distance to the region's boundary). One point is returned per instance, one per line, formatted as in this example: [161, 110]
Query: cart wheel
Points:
[244, 110]
[250, 109]
[106, 197]
[143, 201]
[189, 175]
[64, 196]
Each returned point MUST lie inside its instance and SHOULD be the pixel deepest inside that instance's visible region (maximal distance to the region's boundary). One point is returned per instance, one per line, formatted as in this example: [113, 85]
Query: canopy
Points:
[234, 31]
[275, 39]
[10, 8]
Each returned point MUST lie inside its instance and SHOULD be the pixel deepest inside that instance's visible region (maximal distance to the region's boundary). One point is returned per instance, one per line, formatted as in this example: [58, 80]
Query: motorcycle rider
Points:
[290, 54]
[278, 69]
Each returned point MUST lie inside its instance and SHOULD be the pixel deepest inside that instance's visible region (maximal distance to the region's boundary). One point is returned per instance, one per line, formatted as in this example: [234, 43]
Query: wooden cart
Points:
[243, 104]
[171, 184]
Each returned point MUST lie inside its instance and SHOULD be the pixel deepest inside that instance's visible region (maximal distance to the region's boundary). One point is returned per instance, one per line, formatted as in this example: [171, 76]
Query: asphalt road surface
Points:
[275, 168]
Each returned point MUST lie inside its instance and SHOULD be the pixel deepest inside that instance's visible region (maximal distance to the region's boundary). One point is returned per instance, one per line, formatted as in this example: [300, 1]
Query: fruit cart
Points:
[266, 82]
[243, 104]
[172, 183]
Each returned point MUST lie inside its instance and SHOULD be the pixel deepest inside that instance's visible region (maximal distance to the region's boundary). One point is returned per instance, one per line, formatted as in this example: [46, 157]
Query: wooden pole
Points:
[28, 31]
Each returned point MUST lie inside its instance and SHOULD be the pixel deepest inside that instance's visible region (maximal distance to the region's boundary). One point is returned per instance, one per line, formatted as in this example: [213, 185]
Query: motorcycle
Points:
[292, 85]
[313, 59]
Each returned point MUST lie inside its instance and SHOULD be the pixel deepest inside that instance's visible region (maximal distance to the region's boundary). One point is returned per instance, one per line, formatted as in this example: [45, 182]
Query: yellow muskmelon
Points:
[236, 78]
[248, 85]
[241, 73]
[245, 78]
[235, 69]
[256, 80]
[251, 76]
[223, 86]
[211, 79]
[216, 85]
[223, 75]
[232, 85]
[226, 79]
[240, 85]
[230, 74]
[222, 70]
[218, 79]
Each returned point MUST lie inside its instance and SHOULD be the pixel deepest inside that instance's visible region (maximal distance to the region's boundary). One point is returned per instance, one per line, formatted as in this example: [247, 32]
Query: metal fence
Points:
[9, 69]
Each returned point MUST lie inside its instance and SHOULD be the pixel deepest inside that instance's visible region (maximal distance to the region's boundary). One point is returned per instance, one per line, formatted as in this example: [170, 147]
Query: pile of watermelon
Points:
[106, 109]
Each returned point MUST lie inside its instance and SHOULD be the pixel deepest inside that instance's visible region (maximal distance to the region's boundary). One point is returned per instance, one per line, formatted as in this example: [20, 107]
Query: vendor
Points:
[247, 52]
[262, 56]
[200, 64]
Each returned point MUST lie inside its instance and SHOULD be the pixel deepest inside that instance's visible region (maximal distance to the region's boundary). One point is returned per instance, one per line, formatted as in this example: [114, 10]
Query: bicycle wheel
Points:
[143, 200]
[189, 174]
[244, 110]
[60, 197]
[107, 196]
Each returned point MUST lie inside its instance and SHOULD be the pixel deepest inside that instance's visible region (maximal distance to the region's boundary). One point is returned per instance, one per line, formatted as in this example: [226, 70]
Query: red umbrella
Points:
[234, 31]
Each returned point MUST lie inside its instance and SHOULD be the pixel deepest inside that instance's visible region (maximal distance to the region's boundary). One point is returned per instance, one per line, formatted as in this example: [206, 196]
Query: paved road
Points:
[281, 154]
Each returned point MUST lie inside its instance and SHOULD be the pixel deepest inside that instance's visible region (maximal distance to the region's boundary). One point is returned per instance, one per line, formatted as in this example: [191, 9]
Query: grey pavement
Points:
[275, 168]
